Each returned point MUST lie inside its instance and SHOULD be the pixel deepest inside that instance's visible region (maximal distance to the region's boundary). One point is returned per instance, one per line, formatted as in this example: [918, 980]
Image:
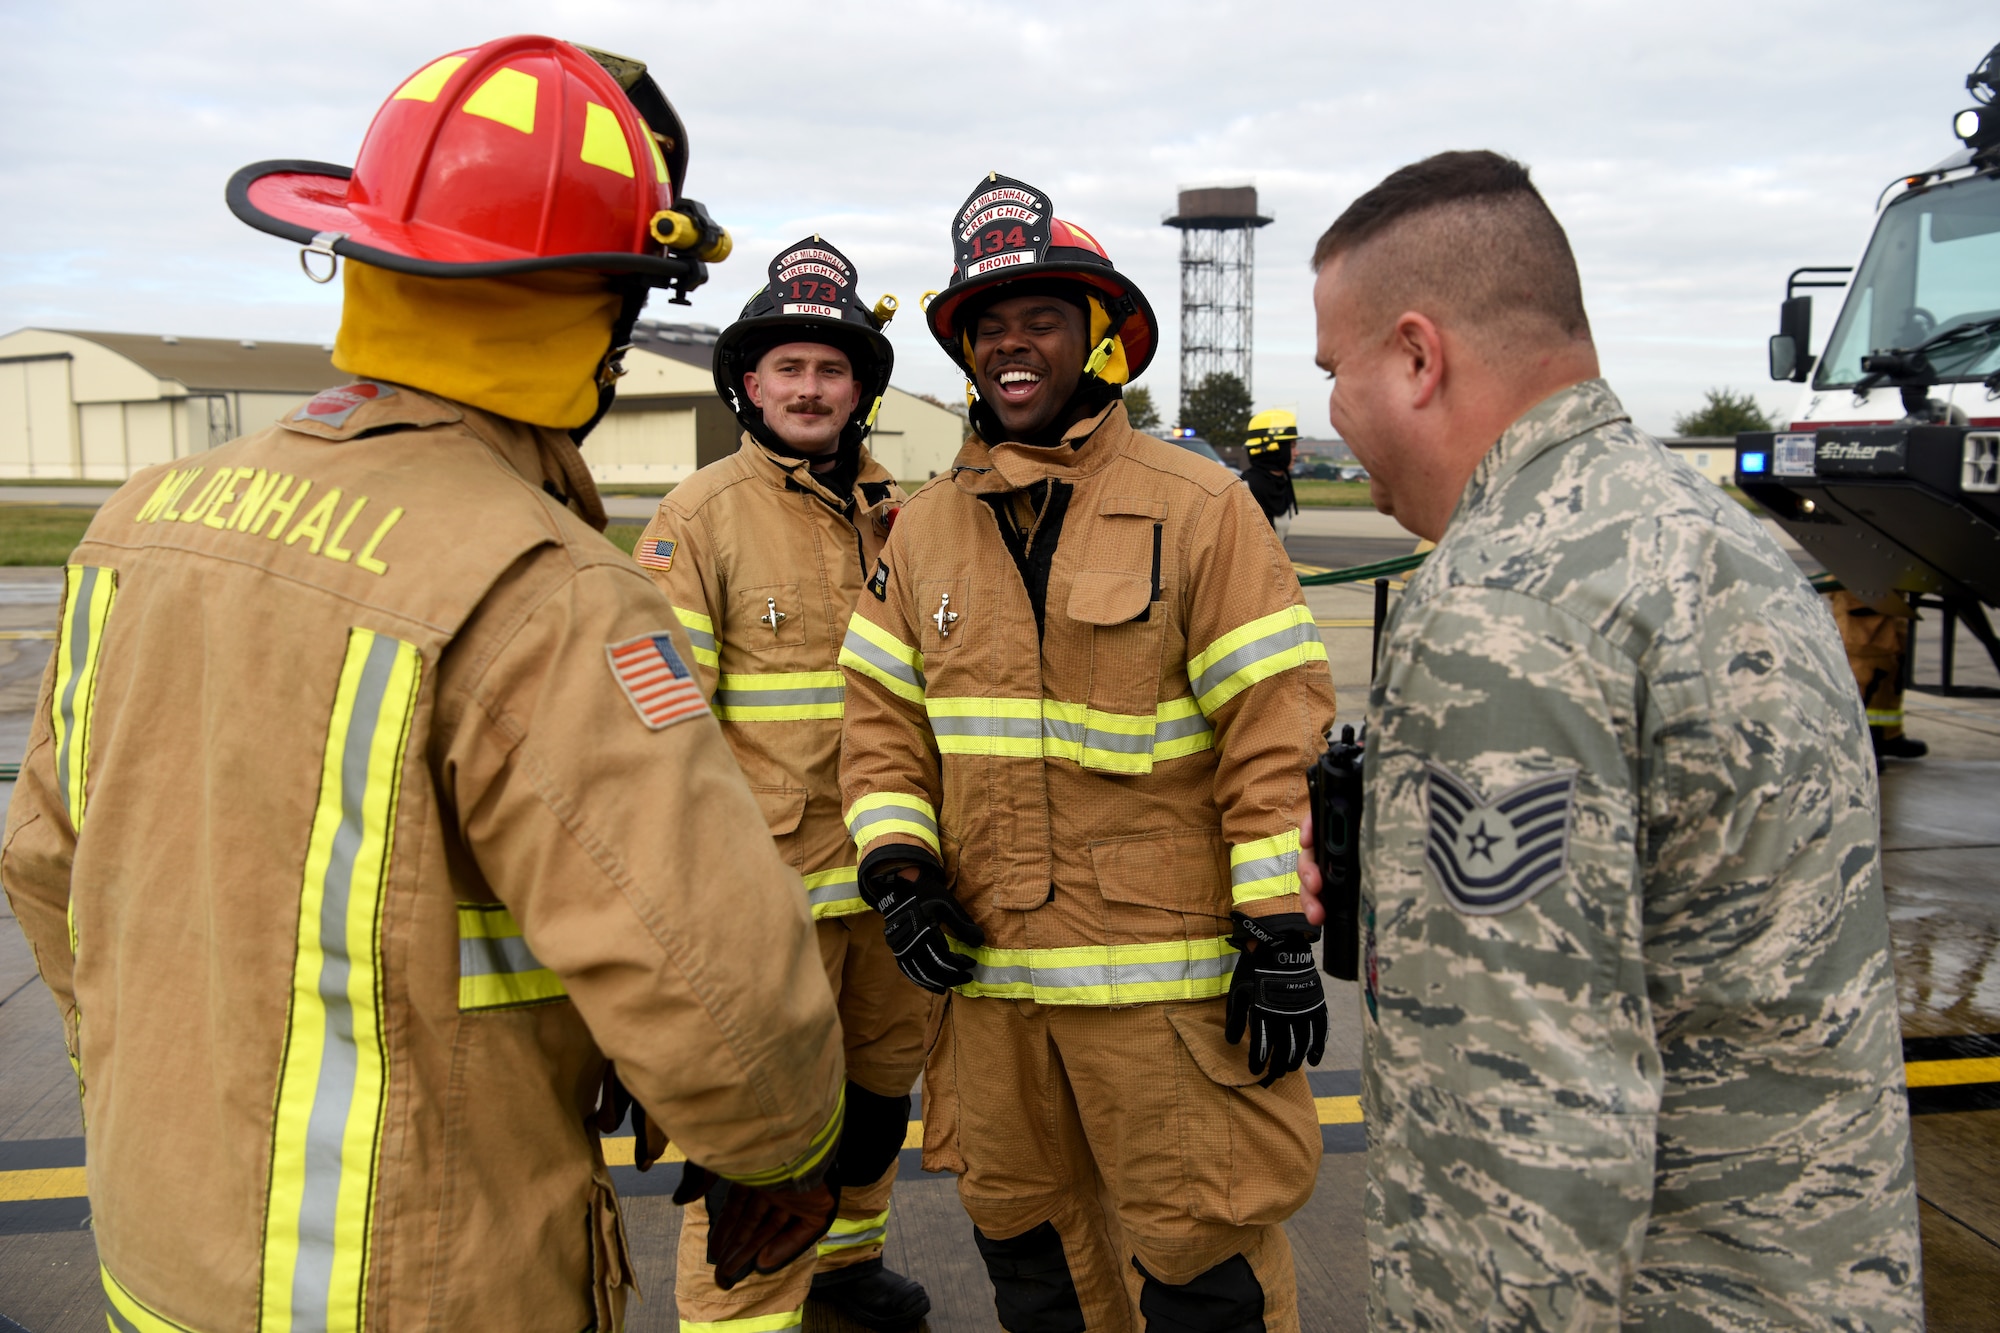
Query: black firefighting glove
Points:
[915, 913]
[649, 1141]
[752, 1230]
[872, 1136]
[1276, 994]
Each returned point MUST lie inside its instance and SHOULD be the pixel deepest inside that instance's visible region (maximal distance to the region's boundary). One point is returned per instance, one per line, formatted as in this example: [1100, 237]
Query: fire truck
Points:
[1888, 471]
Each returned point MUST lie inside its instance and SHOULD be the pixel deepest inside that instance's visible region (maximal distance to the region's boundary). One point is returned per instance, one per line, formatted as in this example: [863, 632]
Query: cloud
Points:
[1696, 153]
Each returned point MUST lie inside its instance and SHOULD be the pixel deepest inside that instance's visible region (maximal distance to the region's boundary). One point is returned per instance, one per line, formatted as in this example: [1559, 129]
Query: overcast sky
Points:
[1696, 152]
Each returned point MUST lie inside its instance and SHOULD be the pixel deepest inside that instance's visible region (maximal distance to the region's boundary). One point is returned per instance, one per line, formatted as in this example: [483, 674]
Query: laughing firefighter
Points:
[764, 555]
[371, 803]
[1083, 690]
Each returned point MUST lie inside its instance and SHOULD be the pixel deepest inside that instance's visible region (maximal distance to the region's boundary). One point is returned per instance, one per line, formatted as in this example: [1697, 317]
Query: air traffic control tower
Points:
[1218, 227]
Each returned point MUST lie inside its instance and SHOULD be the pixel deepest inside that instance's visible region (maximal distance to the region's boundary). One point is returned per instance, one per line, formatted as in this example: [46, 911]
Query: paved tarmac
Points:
[1941, 864]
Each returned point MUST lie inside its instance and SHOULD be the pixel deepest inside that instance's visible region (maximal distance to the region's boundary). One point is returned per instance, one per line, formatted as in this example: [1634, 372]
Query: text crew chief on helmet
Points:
[449, 821]
[1082, 695]
[763, 555]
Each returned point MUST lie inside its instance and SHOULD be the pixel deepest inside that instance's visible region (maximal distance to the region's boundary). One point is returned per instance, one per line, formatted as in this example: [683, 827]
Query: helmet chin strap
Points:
[611, 367]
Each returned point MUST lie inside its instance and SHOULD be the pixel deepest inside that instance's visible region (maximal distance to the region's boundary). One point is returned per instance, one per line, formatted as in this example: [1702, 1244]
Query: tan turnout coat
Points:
[747, 538]
[350, 854]
[1103, 793]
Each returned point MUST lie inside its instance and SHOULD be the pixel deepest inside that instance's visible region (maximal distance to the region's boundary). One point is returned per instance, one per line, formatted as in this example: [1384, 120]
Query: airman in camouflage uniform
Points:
[1631, 1038]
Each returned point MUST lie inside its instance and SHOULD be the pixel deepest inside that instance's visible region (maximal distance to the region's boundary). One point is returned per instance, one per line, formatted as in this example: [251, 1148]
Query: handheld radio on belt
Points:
[1334, 787]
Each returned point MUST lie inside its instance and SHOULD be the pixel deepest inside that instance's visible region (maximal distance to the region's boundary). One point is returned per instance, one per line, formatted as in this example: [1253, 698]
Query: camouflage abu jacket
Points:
[1631, 1054]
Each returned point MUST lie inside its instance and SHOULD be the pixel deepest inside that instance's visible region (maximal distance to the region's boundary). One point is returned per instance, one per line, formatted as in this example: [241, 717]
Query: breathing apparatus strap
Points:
[611, 367]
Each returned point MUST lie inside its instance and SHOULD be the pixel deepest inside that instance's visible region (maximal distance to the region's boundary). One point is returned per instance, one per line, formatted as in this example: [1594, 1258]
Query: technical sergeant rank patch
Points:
[656, 680]
[1493, 855]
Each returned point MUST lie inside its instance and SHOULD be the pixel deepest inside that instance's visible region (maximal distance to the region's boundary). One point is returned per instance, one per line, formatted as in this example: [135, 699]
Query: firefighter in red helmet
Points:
[341, 992]
[1082, 695]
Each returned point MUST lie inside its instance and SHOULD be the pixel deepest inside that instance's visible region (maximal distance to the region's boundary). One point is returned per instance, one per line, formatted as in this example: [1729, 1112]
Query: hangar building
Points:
[101, 406]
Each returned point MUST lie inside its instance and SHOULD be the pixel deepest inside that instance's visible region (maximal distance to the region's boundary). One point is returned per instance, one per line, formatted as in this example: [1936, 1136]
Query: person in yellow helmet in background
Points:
[448, 821]
[1269, 444]
[763, 555]
[1083, 689]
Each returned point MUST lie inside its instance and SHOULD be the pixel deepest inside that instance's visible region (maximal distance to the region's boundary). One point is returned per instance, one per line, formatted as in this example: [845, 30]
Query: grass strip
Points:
[40, 534]
[1332, 494]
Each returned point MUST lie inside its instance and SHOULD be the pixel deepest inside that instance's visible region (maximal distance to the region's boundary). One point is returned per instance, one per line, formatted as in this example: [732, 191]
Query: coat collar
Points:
[1557, 419]
[1087, 447]
[780, 470]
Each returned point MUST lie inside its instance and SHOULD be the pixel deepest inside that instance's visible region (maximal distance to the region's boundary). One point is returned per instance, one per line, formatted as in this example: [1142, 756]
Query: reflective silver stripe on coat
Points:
[786, 698]
[1219, 671]
[881, 660]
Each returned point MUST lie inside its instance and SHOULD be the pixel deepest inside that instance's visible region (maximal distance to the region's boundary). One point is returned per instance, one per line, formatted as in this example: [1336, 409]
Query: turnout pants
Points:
[883, 1018]
[1121, 1167]
[1875, 645]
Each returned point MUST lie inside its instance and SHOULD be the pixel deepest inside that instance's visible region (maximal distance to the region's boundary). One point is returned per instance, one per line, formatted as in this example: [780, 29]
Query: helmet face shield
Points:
[653, 106]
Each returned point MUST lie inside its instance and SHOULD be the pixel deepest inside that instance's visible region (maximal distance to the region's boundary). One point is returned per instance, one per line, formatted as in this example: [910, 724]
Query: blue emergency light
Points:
[1754, 461]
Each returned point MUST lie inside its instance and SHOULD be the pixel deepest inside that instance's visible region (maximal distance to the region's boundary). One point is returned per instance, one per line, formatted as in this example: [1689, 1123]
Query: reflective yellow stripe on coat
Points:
[326, 1137]
[1100, 974]
[884, 812]
[701, 635]
[496, 968]
[1266, 868]
[835, 892]
[780, 696]
[1253, 652]
[1053, 729]
[125, 1313]
[882, 657]
[88, 591]
[823, 1143]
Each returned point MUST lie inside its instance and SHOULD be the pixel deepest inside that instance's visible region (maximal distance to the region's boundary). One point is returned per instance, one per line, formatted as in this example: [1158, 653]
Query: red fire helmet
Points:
[525, 153]
[1007, 235]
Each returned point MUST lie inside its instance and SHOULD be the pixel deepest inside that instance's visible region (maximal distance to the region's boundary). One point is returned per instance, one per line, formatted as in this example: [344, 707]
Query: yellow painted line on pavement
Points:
[1338, 1110]
[66, 1182]
[1952, 1073]
[60, 1182]
[618, 1152]
[27, 634]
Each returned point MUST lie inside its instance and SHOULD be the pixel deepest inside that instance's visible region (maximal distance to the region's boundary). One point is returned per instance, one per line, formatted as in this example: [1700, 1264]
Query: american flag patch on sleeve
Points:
[656, 680]
[655, 553]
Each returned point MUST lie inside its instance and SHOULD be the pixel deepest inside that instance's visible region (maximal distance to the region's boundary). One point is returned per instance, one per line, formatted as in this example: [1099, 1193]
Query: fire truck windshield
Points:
[1932, 267]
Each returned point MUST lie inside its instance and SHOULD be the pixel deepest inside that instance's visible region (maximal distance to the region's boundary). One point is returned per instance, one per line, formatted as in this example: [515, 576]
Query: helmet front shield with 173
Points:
[813, 295]
[524, 154]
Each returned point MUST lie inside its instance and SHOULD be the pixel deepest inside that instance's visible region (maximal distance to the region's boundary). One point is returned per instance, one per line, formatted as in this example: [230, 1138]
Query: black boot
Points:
[1897, 746]
[872, 1296]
